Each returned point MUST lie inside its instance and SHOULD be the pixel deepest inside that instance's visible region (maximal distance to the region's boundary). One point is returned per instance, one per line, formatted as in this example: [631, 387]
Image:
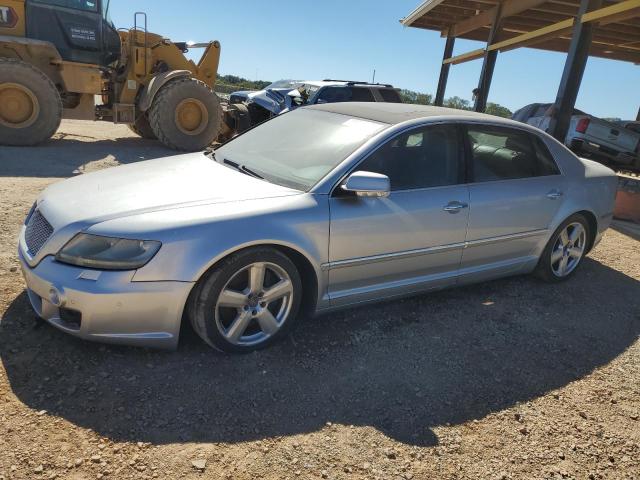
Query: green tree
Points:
[498, 110]
[409, 96]
[458, 103]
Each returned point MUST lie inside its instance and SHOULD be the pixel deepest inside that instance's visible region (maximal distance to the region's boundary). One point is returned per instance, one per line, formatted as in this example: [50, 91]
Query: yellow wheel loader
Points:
[65, 59]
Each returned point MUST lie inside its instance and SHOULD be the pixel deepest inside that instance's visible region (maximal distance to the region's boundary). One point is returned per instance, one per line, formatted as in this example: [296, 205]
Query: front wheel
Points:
[186, 115]
[565, 250]
[248, 301]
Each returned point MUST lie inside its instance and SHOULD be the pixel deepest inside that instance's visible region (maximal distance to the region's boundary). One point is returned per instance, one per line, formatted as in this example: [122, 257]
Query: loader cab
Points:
[80, 29]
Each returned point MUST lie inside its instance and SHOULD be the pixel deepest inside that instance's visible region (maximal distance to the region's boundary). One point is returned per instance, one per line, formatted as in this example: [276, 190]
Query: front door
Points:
[411, 240]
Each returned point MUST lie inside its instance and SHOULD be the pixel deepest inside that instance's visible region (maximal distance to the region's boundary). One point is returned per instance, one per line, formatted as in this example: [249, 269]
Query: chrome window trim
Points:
[359, 261]
[336, 176]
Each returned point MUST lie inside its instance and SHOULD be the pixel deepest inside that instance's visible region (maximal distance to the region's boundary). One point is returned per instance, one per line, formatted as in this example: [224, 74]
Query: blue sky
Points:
[348, 39]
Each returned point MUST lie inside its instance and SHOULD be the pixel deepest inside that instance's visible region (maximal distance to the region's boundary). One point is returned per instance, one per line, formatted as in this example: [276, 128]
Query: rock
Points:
[324, 474]
[96, 458]
[38, 469]
[13, 269]
[199, 464]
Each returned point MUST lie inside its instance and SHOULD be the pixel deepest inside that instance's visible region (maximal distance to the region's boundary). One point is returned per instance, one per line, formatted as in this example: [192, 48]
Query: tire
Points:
[142, 128]
[186, 115]
[242, 320]
[550, 269]
[30, 104]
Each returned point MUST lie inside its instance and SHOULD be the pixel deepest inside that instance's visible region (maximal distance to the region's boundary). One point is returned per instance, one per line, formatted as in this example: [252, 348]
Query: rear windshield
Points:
[390, 95]
[299, 148]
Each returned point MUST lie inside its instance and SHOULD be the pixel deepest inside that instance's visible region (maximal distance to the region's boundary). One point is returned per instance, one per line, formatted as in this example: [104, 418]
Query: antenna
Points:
[373, 80]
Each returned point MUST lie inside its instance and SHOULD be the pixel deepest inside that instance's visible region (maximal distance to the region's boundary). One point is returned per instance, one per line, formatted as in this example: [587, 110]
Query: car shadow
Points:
[402, 367]
[64, 157]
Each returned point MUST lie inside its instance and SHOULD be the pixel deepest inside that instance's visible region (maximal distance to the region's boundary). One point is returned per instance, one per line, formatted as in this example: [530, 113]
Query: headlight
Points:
[107, 253]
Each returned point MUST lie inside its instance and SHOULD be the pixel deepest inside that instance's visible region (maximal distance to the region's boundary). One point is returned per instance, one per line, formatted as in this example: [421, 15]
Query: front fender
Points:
[156, 83]
[196, 238]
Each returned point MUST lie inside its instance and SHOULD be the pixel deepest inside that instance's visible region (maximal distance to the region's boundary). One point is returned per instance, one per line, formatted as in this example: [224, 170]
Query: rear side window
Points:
[390, 95]
[359, 94]
[546, 164]
[502, 154]
[334, 95]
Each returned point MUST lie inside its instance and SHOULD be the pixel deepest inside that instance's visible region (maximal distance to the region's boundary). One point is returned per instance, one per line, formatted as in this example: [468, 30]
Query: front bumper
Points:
[106, 306]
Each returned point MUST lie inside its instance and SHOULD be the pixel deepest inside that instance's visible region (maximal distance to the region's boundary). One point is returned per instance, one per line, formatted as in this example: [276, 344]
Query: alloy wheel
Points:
[568, 249]
[254, 304]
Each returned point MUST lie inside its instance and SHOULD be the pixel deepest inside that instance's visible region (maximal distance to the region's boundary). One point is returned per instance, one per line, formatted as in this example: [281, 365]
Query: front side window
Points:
[502, 154]
[86, 5]
[299, 148]
[422, 158]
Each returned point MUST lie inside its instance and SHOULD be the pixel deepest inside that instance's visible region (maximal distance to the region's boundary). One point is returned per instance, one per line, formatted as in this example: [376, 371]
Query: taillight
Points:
[583, 124]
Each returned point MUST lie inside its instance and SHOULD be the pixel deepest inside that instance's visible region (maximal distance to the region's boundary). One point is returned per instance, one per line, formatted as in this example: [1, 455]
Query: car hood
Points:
[153, 185]
[273, 99]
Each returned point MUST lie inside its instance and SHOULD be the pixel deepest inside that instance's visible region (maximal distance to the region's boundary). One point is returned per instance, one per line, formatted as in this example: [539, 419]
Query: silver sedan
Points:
[324, 207]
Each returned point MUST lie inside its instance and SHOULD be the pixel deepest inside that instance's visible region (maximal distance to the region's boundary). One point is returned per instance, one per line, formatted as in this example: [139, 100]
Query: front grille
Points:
[37, 232]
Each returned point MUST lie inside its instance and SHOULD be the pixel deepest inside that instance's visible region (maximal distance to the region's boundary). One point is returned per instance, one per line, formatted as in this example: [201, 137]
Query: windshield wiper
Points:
[243, 169]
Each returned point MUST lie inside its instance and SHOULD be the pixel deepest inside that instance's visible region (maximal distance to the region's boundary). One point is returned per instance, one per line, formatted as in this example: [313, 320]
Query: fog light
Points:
[55, 297]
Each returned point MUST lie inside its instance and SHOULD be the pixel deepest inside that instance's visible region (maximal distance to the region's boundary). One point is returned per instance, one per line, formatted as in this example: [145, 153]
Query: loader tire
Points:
[142, 128]
[186, 115]
[30, 104]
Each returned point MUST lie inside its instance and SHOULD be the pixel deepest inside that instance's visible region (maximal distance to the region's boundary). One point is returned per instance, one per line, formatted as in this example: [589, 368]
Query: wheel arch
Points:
[592, 221]
[593, 226]
[40, 54]
[155, 84]
[310, 276]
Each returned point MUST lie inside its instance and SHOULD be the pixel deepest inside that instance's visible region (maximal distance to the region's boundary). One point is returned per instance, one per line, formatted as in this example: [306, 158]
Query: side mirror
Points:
[367, 184]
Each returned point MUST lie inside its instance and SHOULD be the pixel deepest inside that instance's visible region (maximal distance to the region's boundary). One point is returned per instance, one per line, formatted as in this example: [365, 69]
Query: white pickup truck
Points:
[589, 136]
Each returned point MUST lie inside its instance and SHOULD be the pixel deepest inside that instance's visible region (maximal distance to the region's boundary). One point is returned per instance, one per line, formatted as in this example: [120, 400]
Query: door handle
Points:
[554, 194]
[454, 207]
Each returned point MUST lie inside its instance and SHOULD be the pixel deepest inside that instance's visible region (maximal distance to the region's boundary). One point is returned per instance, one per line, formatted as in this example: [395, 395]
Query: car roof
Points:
[325, 83]
[395, 113]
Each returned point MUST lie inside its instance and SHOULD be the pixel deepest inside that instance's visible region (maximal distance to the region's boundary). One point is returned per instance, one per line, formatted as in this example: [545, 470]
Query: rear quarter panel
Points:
[590, 187]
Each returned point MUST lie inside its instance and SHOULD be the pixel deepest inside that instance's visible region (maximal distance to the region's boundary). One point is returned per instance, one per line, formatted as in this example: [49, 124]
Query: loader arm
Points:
[208, 64]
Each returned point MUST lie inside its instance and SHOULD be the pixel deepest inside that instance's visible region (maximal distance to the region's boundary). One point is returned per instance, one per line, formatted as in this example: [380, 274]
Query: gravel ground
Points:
[502, 380]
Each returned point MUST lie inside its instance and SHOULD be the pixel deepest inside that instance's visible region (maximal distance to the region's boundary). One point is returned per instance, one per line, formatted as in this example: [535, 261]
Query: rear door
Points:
[516, 189]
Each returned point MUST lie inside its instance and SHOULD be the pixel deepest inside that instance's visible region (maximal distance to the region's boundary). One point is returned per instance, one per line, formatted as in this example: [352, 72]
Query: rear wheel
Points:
[248, 301]
[186, 115]
[566, 249]
[142, 128]
[30, 104]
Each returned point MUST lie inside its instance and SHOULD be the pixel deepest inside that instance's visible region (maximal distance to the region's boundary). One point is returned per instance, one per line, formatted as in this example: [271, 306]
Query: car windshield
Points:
[299, 148]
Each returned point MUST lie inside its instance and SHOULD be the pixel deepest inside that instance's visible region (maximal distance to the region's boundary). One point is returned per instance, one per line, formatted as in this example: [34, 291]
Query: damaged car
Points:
[285, 95]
